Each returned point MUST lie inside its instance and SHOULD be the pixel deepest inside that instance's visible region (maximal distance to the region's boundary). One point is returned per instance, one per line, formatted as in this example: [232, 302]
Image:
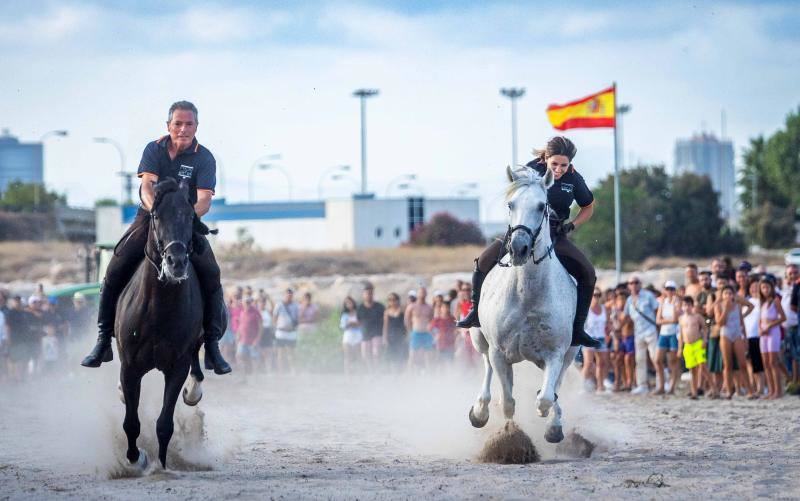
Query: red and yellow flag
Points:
[592, 111]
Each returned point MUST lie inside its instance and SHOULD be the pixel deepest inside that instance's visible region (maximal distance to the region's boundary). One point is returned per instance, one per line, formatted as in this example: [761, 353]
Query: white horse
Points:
[526, 310]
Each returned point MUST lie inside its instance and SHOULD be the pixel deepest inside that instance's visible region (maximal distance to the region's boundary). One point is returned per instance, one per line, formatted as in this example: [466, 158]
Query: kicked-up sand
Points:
[383, 436]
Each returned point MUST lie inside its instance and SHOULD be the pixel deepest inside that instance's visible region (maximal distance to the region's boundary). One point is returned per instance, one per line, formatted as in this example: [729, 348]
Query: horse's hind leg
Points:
[193, 391]
[506, 375]
[131, 385]
[173, 381]
[479, 412]
[554, 432]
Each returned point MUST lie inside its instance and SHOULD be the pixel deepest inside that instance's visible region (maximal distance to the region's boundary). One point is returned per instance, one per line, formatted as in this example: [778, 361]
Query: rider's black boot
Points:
[213, 327]
[471, 320]
[579, 335]
[105, 323]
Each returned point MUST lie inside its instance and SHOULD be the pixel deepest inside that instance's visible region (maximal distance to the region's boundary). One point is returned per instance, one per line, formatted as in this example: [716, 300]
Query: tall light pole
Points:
[59, 133]
[259, 161]
[127, 185]
[620, 110]
[363, 95]
[327, 173]
[513, 93]
[268, 167]
[403, 177]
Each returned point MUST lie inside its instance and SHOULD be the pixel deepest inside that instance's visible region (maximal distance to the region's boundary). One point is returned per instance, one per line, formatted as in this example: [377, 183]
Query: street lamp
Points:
[363, 95]
[269, 167]
[259, 161]
[60, 133]
[411, 186]
[463, 188]
[513, 93]
[126, 185]
[620, 110]
[403, 177]
[327, 174]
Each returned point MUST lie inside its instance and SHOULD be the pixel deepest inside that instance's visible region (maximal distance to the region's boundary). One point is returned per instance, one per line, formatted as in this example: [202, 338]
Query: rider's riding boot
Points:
[579, 335]
[213, 327]
[471, 320]
[105, 323]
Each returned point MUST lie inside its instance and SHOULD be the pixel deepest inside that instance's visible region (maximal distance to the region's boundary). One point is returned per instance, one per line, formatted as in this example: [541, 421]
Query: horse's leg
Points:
[555, 432]
[506, 375]
[173, 381]
[193, 391]
[131, 383]
[479, 413]
[547, 395]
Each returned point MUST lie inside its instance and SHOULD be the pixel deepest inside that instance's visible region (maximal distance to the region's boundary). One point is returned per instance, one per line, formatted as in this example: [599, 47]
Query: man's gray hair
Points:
[182, 105]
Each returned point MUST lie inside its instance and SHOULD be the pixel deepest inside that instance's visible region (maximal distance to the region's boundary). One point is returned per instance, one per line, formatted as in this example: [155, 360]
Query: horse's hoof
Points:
[188, 401]
[477, 423]
[554, 434]
[143, 461]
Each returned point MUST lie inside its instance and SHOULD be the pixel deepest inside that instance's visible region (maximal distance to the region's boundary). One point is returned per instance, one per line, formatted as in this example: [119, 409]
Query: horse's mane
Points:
[166, 185]
[525, 177]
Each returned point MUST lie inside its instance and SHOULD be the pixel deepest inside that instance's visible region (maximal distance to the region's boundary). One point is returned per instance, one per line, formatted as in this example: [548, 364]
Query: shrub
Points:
[444, 229]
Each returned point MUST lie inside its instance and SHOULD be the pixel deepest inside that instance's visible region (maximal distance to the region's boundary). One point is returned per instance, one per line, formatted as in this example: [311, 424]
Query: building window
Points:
[397, 232]
[416, 212]
[378, 232]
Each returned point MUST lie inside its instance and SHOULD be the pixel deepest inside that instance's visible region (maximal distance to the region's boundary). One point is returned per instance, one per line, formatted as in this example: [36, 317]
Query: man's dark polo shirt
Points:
[195, 163]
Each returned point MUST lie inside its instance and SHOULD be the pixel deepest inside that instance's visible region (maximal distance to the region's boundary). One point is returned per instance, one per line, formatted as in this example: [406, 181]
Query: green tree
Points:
[661, 215]
[29, 197]
[105, 202]
[774, 164]
[444, 229]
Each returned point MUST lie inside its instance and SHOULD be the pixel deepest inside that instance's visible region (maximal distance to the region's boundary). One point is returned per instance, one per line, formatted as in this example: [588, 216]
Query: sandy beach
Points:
[386, 437]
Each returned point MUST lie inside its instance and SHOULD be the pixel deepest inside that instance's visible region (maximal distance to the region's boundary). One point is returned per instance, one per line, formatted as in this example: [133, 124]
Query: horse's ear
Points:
[510, 174]
[548, 179]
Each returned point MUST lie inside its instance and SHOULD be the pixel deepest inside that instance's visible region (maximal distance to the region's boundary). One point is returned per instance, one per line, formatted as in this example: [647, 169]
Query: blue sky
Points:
[276, 78]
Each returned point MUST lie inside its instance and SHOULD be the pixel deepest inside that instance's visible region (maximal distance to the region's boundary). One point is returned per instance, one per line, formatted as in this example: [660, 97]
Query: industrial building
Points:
[359, 222]
[19, 161]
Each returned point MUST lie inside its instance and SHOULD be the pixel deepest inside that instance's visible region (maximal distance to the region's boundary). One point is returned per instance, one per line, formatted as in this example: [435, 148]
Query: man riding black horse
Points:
[177, 155]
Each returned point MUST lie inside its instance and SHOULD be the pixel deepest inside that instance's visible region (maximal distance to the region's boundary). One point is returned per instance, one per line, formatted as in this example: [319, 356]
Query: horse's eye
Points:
[510, 206]
[541, 205]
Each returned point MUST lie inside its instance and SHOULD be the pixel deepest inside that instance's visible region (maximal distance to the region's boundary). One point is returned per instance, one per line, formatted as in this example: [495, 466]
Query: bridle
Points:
[162, 249]
[534, 237]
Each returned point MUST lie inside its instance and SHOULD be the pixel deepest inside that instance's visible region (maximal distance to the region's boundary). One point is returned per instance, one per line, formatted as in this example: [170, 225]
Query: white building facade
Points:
[360, 222]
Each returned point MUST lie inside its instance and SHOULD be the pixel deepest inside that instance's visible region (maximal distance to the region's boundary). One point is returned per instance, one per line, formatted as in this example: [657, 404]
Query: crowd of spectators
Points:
[38, 333]
[733, 330]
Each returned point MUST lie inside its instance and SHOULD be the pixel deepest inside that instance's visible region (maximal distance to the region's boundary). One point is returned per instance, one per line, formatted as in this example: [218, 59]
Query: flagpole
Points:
[617, 224]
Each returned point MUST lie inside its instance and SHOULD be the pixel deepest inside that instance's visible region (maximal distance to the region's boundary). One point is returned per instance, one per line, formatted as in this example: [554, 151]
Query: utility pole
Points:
[513, 93]
[619, 110]
[363, 95]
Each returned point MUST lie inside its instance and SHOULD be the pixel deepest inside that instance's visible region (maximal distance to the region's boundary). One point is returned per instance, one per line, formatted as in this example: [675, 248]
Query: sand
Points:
[387, 437]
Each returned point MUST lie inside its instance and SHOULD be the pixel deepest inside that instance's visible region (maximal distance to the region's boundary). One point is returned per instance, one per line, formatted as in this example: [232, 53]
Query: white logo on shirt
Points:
[185, 171]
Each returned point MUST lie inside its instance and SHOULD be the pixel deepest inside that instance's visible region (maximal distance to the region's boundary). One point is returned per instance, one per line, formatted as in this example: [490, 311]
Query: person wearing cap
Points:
[370, 315]
[667, 317]
[412, 296]
[568, 187]
[642, 306]
[286, 316]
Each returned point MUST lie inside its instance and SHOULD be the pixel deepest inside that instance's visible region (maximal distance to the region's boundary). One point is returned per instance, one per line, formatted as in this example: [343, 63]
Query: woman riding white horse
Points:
[568, 186]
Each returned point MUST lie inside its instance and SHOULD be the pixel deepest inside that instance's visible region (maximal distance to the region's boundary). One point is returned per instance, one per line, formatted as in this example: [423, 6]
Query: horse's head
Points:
[171, 226]
[526, 199]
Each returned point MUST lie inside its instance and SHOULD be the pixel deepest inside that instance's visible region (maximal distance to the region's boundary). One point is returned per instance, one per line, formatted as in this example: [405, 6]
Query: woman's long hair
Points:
[350, 300]
[766, 299]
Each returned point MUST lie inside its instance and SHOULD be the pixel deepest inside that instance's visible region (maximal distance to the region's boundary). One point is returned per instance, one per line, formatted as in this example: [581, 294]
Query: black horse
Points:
[159, 318]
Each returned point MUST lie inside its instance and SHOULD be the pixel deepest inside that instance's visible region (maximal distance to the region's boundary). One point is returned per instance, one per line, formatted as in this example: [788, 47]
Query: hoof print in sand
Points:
[509, 445]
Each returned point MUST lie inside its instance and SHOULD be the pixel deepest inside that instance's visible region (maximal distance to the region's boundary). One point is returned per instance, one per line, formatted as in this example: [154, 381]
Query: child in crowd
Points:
[627, 342]
[667, 316]
[693, 339]
[443, 329]
[772, 316]
[598, 327]
[50, 349]
[351, 334]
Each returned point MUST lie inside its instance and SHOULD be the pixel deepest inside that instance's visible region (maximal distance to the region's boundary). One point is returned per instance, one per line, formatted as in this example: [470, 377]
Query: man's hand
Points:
[565, 228]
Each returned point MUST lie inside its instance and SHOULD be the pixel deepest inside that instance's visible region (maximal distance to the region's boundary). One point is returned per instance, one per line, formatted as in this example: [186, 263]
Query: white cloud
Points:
[53, 25]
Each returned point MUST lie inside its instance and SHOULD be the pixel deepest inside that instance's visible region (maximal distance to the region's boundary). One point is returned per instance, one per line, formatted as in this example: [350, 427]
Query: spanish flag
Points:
[592, 111]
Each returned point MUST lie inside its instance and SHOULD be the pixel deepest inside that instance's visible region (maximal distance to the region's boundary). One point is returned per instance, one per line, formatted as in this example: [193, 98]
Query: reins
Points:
[534, 237]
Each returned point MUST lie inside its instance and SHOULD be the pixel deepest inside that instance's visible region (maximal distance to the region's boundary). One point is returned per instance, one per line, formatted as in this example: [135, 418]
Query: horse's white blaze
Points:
[526, 311]
[193, 391]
